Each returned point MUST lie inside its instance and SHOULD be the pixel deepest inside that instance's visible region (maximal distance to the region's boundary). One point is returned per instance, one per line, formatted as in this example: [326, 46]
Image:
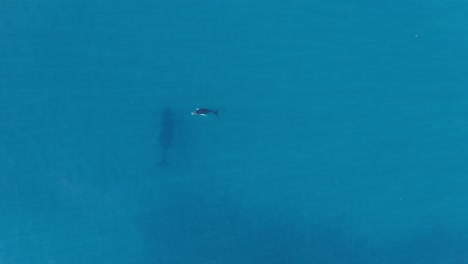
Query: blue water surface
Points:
[342, 135]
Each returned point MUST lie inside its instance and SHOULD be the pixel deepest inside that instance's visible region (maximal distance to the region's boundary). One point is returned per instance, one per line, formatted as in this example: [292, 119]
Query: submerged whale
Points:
[166, 135]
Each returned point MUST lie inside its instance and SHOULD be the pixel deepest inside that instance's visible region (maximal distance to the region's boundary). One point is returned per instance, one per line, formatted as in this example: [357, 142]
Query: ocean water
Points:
[342, 135]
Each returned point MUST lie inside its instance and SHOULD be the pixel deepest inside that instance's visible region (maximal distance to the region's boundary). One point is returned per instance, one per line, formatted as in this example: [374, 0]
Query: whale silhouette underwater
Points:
[166, 135]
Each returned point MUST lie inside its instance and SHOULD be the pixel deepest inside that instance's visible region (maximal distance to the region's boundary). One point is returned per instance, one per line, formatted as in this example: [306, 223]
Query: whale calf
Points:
[205, 112]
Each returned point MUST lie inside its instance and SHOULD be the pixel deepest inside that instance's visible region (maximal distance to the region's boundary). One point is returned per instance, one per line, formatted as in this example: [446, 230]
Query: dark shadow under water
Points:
[166, 135]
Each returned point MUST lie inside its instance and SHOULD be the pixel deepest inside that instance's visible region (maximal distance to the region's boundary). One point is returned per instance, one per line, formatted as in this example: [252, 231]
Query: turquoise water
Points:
[342, 135]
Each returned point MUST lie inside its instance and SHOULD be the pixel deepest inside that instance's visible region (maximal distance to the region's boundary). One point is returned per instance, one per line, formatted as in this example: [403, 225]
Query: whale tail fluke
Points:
[216, 113]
